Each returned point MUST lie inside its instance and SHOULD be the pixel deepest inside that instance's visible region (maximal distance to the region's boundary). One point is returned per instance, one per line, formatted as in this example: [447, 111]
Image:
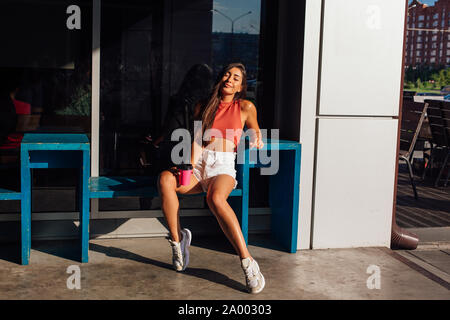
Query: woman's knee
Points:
[216, 199]
[166, 179]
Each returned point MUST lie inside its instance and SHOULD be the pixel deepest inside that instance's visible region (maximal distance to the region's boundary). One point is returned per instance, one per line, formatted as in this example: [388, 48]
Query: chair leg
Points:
[448, 176]
[429, 164]
[411, 177]
[444, 164]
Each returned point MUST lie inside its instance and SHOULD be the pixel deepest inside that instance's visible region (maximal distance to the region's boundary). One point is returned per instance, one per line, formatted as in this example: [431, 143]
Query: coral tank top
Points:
[228, 121]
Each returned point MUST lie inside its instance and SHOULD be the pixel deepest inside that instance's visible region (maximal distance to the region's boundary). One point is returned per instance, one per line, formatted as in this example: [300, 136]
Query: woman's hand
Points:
[258, 143]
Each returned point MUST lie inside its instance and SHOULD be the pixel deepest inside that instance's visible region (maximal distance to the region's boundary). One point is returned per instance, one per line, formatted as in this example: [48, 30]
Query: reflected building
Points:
[428, 36]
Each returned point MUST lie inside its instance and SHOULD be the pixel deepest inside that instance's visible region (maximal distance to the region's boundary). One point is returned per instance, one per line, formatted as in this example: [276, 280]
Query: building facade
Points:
[130, 58]
[428, 34]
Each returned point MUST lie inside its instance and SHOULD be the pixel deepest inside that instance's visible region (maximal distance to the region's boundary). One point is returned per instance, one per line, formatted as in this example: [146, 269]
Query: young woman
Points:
[223, 119]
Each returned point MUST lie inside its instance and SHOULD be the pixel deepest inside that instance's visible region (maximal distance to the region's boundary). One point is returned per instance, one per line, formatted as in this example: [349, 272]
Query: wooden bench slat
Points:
[113, 187]
[6, 194]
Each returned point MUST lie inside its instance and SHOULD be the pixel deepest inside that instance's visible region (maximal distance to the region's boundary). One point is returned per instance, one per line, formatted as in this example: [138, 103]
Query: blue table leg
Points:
[284, 195]
[296, 202]
[84, 206]
[25, 180]
[245, 200]
[240, 204]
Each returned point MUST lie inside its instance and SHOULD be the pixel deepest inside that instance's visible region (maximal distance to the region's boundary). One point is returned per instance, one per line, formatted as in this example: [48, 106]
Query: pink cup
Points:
[185, 174]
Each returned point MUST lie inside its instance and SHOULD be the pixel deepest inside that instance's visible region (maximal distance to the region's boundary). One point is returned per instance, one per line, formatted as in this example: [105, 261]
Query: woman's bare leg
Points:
[168, 188]
[218, 192]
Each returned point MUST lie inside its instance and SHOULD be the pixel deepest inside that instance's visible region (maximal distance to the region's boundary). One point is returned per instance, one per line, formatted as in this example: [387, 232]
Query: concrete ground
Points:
[141, 269]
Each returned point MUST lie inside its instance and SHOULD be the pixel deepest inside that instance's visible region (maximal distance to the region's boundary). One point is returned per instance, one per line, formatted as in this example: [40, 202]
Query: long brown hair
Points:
[211, 106]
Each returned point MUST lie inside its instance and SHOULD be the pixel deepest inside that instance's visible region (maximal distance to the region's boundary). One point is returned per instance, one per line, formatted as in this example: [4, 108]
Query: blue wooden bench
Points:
[73, 150]
[146, 187]
[115, 187]
[283, 190]
[6, 194]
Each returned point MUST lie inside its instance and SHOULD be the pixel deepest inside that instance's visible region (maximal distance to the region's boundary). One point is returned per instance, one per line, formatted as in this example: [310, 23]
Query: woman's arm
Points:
[252, 123]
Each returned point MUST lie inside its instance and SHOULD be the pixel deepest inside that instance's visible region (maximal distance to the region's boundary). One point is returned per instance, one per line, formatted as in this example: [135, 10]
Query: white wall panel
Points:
[308, 119]
[361, 57]
[354, 189]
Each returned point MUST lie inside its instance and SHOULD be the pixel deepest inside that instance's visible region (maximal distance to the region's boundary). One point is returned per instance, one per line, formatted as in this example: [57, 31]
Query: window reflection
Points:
[153, 55]
[158, 60]
[45, 86]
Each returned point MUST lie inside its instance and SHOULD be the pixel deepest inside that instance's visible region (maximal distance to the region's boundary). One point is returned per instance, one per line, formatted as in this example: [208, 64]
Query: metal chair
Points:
[438, 114]
[413, 114]
[445, 111]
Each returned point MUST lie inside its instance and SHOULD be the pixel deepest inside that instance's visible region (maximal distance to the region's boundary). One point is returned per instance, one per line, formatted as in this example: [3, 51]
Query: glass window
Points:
[147, 65]
[436, 16]
[159, 59]
[45, 76]
[421, 18]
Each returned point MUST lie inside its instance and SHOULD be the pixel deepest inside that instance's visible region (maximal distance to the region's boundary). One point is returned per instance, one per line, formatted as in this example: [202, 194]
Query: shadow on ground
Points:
[10, 252]
[221, 244]
[201, 273]
[70, 249]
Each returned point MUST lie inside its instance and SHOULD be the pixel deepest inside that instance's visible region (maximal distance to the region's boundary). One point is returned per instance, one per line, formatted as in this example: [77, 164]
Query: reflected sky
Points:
[427, 2]
[233, 9]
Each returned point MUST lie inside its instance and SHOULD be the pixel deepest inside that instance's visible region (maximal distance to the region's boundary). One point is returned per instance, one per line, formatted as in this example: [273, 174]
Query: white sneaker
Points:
[180, 250]
[253, 276]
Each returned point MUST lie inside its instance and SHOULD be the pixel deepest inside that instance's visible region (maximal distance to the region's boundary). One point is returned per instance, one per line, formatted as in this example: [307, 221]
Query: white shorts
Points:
[214, 163]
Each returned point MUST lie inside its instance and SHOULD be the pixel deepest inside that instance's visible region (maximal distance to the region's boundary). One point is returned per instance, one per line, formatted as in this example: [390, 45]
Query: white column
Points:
[95, 103]
[356, 134]
[308, 118]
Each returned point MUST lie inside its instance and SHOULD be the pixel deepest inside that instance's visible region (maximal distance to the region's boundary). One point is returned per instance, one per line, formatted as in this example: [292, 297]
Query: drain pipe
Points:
[401, 238]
